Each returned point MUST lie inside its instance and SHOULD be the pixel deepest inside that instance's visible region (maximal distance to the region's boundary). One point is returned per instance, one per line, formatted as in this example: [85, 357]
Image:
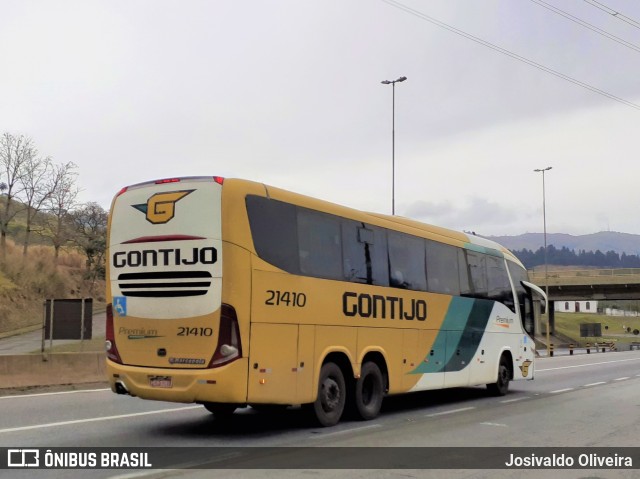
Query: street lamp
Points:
[393, 140]
[546, 271]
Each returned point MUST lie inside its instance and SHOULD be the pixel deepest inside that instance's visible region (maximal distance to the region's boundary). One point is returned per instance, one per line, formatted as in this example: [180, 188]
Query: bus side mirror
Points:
[533, 291]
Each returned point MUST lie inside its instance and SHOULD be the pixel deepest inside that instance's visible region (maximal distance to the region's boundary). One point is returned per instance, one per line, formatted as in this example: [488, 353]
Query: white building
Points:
[576, 306]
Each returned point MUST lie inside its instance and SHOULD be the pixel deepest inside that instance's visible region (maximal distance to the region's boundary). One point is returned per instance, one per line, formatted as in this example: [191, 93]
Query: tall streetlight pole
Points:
[546, 271]
[393, 140]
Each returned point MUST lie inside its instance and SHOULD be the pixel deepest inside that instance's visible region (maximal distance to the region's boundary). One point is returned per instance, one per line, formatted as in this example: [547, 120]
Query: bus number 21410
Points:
[286, 298]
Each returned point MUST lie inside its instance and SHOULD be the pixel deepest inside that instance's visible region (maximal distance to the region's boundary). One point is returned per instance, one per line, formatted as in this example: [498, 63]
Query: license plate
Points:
[160, 381]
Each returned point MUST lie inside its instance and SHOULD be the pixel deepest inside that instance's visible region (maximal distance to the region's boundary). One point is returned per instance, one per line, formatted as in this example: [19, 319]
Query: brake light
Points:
[218, 179]
[167, 180]
[123, 190]
[229, 345]
[110, 337]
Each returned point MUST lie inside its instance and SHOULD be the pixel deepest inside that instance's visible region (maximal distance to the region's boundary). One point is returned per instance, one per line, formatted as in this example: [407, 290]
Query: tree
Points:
[63, 198]
[90, 224]
[15, 152]
[36, 188]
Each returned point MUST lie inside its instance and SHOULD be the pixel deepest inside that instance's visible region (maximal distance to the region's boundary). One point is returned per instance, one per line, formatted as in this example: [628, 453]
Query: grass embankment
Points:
[614, 328]
[26, 282]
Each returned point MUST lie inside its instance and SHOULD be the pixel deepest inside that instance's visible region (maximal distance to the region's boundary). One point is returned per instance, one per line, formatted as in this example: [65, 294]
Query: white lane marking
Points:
[149, 472]
[55, 393]
[453, 411]
[179, 467]
[492, 424]
[594, 384]
[506, 401]
[622, 379]
[561, 390]
[585, 365]
[94, 419]
[355, 429]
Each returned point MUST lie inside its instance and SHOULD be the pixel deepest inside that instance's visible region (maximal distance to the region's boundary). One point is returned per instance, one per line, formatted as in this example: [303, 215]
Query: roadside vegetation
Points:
[618, 329]
[51, 245]
[25, 282]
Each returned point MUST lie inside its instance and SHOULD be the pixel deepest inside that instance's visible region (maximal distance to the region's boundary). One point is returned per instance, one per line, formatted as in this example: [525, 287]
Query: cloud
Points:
[476, 214]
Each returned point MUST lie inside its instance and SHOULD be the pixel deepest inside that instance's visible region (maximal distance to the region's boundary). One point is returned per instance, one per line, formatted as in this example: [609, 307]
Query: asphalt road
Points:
[589, 401]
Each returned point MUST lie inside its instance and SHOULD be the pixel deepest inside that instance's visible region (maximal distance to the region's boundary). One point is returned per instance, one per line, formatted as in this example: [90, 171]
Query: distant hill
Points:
[603, 241]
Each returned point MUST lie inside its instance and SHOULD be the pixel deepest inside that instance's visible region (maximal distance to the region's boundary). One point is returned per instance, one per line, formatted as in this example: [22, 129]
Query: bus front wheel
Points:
[369, 391]
[330, 402]
[501, 386]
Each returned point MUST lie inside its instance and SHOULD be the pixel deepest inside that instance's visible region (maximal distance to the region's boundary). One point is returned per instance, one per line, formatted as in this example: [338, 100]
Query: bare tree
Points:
[36, 190]
[90, 224]
[15, 152]
[63, 198]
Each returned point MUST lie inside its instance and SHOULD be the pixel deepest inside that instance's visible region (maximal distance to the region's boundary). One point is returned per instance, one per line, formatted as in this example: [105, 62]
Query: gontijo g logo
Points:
[161, 207]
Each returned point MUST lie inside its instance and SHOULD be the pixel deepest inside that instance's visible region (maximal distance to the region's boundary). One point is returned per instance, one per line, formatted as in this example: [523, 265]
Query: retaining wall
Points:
[23, 370]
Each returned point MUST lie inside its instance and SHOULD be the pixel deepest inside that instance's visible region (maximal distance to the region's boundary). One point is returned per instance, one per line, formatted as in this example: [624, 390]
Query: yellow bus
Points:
[227, 293]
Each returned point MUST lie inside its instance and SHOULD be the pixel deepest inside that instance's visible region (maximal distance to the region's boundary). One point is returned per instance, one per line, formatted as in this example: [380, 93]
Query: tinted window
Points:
[519, 274]
[463, 273]
[442, 268]
[499, 288]
[407, 262]
[319, 244]
[274, 230]
[477, 264]
[364, 251]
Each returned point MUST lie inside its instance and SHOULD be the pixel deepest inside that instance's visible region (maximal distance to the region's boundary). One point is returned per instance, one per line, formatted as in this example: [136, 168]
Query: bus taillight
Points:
[229, 345]
[110, 337]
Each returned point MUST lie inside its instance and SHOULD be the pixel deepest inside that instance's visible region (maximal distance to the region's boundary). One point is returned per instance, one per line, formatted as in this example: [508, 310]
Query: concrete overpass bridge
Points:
[587, 284]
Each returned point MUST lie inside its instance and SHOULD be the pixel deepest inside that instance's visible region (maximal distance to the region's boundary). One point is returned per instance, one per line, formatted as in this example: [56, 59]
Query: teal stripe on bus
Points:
[462, 329]
[468, 340]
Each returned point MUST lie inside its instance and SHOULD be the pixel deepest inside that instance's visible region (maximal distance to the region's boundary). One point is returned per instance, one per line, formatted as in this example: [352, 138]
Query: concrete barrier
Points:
[23, 370]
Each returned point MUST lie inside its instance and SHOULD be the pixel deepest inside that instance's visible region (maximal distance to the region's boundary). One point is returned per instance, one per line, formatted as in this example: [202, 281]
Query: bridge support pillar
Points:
[552, 317]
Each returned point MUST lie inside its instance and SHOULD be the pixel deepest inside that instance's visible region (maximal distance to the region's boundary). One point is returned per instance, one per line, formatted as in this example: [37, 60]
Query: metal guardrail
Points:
[574, 273]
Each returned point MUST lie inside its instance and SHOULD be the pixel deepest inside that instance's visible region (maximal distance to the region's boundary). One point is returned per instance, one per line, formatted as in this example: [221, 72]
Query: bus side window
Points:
[525, 306]
[357, 243]
[442, 268]
[463, 273]
[477, 264]
[364, 250]
[407, 261]
[274, 231]
[320, 244]
[498, 282]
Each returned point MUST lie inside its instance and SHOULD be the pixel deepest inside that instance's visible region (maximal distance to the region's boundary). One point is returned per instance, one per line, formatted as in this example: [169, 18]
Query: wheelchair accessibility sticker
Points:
[120, 305]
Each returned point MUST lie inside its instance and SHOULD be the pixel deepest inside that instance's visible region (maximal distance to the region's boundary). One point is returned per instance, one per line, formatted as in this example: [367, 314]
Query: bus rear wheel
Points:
[369, 391]
[221, 411]
[330, 402]
[501, 386]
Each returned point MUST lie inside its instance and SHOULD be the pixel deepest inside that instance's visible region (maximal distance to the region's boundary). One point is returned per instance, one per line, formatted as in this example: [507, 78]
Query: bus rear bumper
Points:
[226, 384]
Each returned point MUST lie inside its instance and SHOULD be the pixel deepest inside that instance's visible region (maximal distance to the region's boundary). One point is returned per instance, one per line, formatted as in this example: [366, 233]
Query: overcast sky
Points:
[288, 93]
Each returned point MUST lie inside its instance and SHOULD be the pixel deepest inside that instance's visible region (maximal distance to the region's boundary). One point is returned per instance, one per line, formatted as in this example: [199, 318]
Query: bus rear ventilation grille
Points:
[165, 284]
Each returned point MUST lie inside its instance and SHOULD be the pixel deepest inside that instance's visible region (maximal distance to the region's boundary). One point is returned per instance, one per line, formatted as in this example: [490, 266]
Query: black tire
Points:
[369, 391]
[221, 411]
[501, 386]
[269, 408]
[329, 404]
